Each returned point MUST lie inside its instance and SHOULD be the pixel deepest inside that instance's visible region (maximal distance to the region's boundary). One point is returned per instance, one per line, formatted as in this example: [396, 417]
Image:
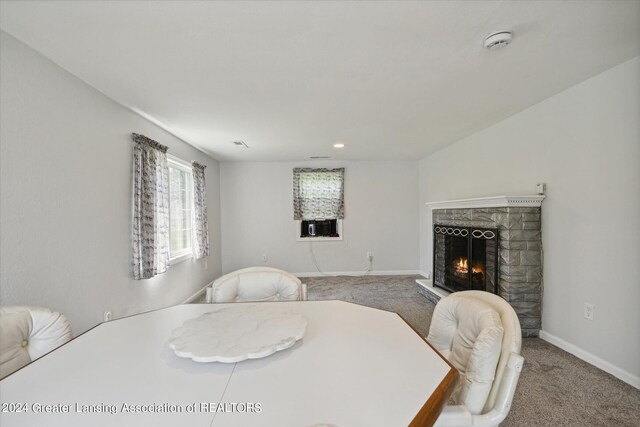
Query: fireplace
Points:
[516, 244]
[465, 258]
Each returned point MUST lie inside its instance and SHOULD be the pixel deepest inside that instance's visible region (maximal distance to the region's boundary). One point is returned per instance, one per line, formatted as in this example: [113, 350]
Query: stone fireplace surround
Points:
[518, 220]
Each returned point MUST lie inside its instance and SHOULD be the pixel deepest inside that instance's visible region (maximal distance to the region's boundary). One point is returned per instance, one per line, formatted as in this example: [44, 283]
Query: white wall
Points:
[381, 216]
[66, 156]
[585, 144]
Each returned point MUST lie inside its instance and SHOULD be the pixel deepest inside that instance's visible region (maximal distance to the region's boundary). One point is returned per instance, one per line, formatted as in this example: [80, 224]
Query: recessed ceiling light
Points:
[338, 145]
[240, 144]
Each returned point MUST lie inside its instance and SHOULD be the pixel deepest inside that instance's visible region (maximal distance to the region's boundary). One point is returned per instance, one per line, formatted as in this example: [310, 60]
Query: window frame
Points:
[177, 163]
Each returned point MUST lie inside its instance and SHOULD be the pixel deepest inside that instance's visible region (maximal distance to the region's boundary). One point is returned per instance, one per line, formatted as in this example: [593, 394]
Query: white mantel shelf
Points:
[490, 202]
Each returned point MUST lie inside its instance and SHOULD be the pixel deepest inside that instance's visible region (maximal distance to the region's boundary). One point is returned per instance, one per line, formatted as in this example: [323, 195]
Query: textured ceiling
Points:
[390, 80]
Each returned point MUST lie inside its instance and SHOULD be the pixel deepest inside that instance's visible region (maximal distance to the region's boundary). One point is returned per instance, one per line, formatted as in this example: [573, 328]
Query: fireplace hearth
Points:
[465, 258]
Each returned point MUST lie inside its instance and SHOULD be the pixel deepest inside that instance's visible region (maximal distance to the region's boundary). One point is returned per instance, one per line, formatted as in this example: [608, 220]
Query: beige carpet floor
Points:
[555, 387]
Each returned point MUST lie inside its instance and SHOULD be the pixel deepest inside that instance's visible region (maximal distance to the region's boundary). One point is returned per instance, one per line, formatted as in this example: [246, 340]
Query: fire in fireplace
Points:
[461, 266]
[465, 258]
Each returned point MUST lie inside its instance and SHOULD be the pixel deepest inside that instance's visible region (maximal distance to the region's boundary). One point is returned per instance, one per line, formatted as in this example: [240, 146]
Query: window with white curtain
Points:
[180, 210]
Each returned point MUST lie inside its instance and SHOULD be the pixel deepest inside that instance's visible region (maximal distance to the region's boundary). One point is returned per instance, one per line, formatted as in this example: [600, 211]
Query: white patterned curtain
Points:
[318, 193]
[200, 224]
[150, 238]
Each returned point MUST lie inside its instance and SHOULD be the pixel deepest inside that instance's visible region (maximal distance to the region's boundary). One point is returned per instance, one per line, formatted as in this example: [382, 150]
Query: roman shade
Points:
[318, 193]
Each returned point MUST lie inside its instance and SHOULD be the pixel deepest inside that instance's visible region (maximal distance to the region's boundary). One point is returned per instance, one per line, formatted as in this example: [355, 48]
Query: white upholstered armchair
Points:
[479, 333]
[257, 284]
[27, 333]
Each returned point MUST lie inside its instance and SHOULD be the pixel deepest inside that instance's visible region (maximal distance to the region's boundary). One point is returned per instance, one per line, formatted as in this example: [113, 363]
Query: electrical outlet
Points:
[107, 316]
[588, 311]
[370, 256]
[264, 257]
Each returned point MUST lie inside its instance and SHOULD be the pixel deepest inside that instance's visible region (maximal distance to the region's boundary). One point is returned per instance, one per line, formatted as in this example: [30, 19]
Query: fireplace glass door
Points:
[465, 258]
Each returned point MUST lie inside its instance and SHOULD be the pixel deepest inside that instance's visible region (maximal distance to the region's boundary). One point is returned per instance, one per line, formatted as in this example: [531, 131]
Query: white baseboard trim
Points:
[358, 273]
[196, 295]
[424, 274]
[594, 360]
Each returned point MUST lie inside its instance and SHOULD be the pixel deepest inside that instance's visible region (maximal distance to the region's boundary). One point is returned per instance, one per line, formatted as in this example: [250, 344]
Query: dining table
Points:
[354, 366]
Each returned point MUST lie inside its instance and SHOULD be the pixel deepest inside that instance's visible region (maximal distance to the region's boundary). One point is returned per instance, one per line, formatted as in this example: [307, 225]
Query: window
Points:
[180, 210]
[318, 203]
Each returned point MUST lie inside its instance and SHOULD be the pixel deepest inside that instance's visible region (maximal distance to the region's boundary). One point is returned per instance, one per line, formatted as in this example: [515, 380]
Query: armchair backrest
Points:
[257, 284]
[511, 341]
[27, 333]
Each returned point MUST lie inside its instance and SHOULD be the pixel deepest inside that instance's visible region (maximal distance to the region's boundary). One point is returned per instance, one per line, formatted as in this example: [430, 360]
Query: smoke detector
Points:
[498, 40]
